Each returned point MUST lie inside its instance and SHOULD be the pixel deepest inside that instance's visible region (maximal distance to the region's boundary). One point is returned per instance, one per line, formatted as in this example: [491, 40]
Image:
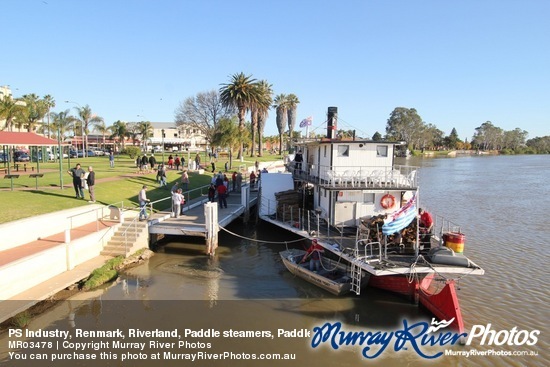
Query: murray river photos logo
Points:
[418, 337]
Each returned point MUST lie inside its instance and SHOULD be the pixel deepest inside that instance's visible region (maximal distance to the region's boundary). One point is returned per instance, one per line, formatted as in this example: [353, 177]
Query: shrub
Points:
[132, 151]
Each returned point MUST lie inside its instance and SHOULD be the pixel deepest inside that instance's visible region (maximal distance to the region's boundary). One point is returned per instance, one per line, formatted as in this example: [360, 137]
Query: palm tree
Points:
[62, 122]
[266, 99]
[241, 92]
[49, 103]
[292, 101]
[10, 109]
[280, 104]
[146, 130]
[119, 130]
[86, 118]
[34, 111]
[103, 130]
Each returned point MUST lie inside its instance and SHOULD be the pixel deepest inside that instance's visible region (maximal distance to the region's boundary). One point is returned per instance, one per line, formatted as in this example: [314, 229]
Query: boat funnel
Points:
[332, 122]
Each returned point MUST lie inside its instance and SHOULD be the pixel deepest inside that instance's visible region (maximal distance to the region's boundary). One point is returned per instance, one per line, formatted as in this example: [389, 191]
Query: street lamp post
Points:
[82, 129]
[60, 156]
[162, 131]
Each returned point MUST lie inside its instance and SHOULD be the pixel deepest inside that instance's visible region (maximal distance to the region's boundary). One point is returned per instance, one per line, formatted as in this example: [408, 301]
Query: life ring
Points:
[387, 201]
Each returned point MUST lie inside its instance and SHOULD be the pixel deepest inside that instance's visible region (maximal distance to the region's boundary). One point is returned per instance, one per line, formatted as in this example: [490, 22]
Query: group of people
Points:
[83, 180]
[219, 186]
[146, 164]
[175, 162]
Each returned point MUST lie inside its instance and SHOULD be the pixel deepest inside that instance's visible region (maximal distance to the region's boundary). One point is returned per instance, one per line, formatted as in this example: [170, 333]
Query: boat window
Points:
[343, 150]
[325, 152]
[381, 150]
[368, 198]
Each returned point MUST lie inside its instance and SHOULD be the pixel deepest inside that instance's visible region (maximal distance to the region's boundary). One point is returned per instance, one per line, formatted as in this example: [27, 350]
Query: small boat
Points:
[333, 276]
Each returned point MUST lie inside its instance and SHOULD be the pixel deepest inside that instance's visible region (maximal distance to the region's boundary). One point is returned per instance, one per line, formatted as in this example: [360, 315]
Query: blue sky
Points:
[459, 63]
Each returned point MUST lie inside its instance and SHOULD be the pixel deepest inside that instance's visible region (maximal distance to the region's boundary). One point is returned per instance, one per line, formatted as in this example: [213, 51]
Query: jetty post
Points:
[212, 228]
[245, 202]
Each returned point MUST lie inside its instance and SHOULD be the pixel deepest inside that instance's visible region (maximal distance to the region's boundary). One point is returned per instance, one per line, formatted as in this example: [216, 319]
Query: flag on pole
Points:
[401, 218]
[306, 122]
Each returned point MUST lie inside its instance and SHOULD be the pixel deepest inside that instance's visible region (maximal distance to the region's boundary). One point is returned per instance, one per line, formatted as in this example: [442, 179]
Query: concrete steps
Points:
[129, 238]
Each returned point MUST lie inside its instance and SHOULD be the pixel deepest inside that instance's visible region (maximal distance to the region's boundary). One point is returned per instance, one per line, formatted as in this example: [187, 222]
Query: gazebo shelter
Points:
[11, 141]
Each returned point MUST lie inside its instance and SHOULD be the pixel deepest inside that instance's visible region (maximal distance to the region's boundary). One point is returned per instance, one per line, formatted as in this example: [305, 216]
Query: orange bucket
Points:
[454, 241]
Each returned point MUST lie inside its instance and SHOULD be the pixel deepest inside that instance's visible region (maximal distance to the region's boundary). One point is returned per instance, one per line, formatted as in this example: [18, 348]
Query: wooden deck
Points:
[192, 223]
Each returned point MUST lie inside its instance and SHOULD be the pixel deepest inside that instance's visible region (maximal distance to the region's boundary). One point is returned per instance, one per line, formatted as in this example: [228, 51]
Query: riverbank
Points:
[24, 317]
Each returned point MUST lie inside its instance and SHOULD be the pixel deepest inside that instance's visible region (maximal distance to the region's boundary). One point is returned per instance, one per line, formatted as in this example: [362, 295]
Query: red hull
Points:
[442, 301]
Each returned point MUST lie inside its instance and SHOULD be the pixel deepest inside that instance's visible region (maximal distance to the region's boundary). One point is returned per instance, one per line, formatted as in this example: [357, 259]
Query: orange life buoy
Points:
[387, 201]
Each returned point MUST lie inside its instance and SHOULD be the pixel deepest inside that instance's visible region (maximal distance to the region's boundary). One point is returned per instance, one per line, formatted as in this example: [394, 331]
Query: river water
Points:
[501, 204]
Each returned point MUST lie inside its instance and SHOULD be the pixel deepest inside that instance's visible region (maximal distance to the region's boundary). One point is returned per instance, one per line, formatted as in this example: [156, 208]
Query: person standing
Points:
[177, 162]
[298, 159]
[252, 179]
[152, 162]
[145, 163]
[112, 159]
[222, 192]
[90, 180]
[211, 192]
[198, 161]
[142, 198]
[177, 200]
[315, 250]
[77, 174]
[185, 181]
[234, 179]
[213, 166]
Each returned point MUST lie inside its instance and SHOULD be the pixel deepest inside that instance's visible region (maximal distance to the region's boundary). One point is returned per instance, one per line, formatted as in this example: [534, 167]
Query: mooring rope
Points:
[263, 241]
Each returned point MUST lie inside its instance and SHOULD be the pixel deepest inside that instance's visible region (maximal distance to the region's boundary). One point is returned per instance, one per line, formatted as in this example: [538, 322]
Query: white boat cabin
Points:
[353, 179]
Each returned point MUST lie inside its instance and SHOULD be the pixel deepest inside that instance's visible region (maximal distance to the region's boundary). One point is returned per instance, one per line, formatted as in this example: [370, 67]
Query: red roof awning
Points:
[32, 139]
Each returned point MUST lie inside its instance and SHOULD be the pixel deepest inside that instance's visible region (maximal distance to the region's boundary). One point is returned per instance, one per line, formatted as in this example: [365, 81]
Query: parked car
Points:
[73, 154]
[4, 157]
[22, 157]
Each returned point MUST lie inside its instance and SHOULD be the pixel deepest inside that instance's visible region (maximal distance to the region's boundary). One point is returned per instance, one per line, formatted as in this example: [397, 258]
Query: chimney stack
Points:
[332, 122]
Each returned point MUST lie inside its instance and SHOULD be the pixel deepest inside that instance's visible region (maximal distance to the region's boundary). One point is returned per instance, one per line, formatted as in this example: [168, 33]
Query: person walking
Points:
[161, 175]
[111, 159]
[185, 181]
[77, 173]
[177, 162]
[198, 161]
[142, 198]
[90, 180]
[145, 163]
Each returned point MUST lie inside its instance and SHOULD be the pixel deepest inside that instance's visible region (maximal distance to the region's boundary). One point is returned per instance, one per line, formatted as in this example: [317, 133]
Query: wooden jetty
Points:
[202, 218]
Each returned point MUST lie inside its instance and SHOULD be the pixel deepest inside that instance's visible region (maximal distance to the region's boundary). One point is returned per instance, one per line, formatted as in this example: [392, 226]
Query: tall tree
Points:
[404, 124]
[49, 103]
[62, 123]
[10, 109]
[266, 99]
[227, 135]
[101, 128]
[119, 131]
[86, 119]
[34, 111]
[240, 93]
[280, 104]
[145, 129]
[292, 105]
[203, 112]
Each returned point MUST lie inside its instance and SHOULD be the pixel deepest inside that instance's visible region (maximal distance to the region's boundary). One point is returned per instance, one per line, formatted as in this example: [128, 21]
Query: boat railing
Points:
[398, 176]
[365, 251]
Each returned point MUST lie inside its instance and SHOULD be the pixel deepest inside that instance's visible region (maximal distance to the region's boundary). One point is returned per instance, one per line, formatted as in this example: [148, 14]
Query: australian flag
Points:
[401, 218]
[306, 122]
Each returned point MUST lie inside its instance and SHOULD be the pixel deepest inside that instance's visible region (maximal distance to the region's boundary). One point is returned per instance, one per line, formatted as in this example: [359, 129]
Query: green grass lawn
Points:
[25, 201]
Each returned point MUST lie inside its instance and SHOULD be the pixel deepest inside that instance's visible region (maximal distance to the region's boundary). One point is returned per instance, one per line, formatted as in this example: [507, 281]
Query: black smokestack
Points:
[332, 122]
